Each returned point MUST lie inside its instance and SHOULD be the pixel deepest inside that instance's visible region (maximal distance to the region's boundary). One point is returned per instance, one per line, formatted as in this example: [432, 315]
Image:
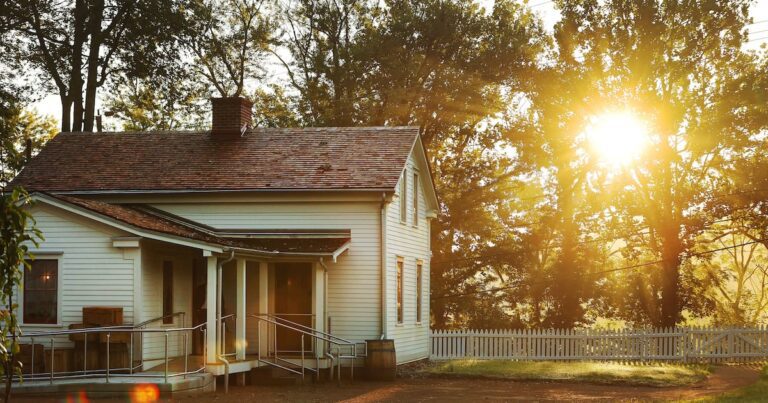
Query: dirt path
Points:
[724, 379]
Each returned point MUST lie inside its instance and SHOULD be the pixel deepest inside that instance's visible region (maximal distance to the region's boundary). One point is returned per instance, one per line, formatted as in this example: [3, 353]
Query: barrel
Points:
[380, 363]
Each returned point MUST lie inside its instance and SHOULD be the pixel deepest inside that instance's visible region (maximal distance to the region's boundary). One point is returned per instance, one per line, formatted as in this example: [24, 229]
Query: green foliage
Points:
[17, 233]
[20, 129]
[752, 393]
[596, 372]
[228, 40]
[80, 45]
[170, 103]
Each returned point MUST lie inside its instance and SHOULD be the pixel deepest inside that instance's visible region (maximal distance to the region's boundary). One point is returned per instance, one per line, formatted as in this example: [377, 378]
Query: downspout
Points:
[383, 274]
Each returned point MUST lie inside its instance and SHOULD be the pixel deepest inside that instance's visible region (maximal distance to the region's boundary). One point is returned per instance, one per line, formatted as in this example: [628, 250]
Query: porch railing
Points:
[337, 348]
[106, 338]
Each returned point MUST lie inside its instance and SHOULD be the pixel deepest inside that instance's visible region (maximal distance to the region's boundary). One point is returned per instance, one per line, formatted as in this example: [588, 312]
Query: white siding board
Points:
[92, 271]
[412, 243]
[153, 256]
[353, 281]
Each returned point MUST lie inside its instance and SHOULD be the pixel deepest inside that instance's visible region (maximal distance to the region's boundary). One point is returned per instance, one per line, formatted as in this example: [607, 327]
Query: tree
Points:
[637, 57]
[22, 134]
[450, 68]
[736, 278]
[80, 44]
[233, 36]
[17, 233]
[171, 102]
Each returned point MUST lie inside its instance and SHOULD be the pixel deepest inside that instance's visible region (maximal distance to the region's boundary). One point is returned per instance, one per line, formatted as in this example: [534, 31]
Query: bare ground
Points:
[723, 379]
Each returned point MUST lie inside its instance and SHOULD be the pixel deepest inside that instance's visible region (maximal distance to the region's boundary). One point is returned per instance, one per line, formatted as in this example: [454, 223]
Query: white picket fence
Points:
[666, 344]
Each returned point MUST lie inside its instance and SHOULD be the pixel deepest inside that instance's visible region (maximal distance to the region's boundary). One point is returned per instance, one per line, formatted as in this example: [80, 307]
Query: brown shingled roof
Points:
[264, 159]
[138, 218]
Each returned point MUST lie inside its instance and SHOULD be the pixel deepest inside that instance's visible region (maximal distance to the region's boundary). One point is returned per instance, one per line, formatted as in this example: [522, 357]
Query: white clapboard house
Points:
[230, 248]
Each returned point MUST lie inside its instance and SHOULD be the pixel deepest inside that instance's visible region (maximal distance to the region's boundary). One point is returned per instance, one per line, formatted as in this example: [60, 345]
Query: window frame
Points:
[419, 290]
[400, 290]
[21, 294]
[167, 311]
[415, 198]
[404, 197]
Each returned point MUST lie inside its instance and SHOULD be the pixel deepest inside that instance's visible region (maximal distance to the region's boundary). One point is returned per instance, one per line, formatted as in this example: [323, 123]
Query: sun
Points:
[618, 138]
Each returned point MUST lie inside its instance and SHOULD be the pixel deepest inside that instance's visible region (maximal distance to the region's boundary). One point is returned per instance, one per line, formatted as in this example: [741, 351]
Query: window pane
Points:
[415, 204]
[167, 292]
[41, 291]
[400, 291]
[404, 198]
[418, 292]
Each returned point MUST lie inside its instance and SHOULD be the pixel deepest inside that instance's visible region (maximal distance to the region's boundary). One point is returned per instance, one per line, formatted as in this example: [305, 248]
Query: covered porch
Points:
[258, 308]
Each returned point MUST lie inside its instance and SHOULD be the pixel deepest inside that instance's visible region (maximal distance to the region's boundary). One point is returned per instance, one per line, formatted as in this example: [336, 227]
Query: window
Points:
[167, 292]
[400, 264]
[41, 292]
[404, 198]
[415, 205]
[419, 266]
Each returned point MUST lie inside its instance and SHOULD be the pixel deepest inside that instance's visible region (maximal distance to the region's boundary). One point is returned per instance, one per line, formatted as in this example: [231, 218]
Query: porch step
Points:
[274, 376]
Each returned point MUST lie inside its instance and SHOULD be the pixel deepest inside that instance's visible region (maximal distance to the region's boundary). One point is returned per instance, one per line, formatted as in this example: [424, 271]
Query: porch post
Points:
[240, 339]
[210, 311]
[318, 303]
[264, 304]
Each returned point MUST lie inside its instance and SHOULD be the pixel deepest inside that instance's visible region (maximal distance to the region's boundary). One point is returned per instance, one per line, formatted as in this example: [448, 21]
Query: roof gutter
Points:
[214, 191]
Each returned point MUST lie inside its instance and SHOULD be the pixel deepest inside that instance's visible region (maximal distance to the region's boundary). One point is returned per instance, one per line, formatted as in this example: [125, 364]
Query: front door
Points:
[293, 302]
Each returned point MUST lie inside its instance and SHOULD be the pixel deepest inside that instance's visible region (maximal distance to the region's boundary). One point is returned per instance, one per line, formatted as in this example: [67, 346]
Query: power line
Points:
[630, 267]
[758, 39]
[541, 3]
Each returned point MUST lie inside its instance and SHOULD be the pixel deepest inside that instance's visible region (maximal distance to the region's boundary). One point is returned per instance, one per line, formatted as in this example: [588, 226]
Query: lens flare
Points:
[617, 138]
[145, 393]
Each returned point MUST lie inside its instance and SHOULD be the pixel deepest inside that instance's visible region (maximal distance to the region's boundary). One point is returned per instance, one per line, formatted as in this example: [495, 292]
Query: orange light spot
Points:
[145, 393]
[81, 397]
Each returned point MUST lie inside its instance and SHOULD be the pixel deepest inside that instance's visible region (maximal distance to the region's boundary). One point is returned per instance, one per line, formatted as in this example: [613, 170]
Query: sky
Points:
[758, 35]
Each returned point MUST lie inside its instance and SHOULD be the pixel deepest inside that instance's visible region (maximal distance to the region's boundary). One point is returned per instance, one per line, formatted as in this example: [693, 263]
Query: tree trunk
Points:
[76, 74]
[94, 28]
[66, 113]
[670, 287]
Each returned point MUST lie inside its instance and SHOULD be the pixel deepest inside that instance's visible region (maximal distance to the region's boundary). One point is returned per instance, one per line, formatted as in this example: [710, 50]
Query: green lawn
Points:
[757, 392]
[598, 372]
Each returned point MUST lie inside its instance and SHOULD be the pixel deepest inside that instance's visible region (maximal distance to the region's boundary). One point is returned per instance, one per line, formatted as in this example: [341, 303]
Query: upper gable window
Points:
[404, 197]
[415, 204]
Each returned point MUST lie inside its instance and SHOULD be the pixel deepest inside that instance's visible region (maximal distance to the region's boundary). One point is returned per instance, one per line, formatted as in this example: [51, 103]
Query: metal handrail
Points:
[311, 329]
[326, 334]
[223, 338]
[153, 320]
[313, 333]
[109, 372]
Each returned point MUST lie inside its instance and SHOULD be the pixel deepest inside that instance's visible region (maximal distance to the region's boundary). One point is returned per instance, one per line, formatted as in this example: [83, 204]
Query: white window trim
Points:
[43, 255]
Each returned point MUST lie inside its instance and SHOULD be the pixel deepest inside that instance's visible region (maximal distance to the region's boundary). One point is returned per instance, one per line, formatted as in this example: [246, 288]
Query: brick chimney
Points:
[231, 116]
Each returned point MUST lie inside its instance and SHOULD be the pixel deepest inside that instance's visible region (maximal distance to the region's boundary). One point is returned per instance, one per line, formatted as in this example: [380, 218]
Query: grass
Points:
[757, 392]
[596, 372]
